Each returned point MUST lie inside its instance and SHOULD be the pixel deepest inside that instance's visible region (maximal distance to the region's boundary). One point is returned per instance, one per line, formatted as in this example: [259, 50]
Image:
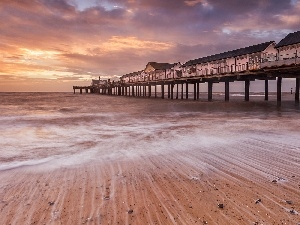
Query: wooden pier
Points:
[144, 88]
[265, 61]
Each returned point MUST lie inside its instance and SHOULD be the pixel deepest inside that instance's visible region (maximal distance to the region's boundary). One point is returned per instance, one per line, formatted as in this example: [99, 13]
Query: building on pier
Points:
[289, 47]
[288, 52]
[161, 71]
[238, 60]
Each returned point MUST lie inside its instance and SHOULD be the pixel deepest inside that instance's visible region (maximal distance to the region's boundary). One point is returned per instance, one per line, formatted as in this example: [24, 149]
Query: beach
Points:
[90, 159]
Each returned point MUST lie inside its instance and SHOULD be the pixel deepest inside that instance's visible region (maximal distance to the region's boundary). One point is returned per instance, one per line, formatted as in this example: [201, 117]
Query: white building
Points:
[162, 71]
[243, 59]
[289, 47]
[98, 82]
[288, 51]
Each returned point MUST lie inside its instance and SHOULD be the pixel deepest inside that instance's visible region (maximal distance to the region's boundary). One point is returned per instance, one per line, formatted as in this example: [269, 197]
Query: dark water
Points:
[67, 129]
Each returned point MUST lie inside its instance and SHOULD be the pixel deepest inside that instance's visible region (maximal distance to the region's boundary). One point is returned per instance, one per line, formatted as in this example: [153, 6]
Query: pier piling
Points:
[195, 91]
[198, 90]
[247, 90]
[187, 90]
[266, 90]
[297, 90]
[279, 82]
[227, 90]
[210, 90]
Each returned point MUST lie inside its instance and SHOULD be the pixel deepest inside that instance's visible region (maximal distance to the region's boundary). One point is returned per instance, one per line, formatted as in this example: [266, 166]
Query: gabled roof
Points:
[234, 53]
[290, 39]
[132, 74]
[161, 66]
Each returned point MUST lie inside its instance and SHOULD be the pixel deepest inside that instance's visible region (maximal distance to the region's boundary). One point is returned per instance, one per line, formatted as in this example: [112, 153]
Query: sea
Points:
[65, 129]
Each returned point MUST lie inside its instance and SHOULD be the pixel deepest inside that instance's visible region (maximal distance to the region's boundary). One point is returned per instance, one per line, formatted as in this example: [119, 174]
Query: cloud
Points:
[77, 40]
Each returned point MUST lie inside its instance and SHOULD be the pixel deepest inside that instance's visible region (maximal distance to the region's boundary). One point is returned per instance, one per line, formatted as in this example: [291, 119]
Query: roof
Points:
[131, 74]
[161, 66]
[290, 39]
[95, 81]
[234, 53]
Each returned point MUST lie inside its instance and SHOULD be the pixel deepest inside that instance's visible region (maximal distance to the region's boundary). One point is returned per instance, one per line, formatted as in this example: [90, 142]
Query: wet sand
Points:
[255, 187]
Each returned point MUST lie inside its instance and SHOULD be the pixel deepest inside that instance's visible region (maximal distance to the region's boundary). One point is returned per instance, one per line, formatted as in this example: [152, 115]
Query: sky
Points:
[51, 45]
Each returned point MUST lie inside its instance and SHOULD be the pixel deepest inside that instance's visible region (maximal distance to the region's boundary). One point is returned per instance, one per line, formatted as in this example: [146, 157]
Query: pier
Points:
[266, 61]
[167, 86]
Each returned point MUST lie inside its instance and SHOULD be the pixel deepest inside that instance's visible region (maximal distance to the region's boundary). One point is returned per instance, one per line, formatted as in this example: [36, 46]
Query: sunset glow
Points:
[60, 43]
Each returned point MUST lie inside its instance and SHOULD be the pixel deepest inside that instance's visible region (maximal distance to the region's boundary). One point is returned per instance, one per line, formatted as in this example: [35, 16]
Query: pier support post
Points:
[210, 90]
[227, 90]
[198, 90]
[169, 91]
[172, 93]
[74, 90]
[247, 90]
[187, 90]
[132, 91]
[80, 90]
[125, 90]
[297, 90]
[149, 89]
[155, 91]
[279, 82]
[177, 91]
[181, 90]
[266, 90]
[162, 91]
[195, 91]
